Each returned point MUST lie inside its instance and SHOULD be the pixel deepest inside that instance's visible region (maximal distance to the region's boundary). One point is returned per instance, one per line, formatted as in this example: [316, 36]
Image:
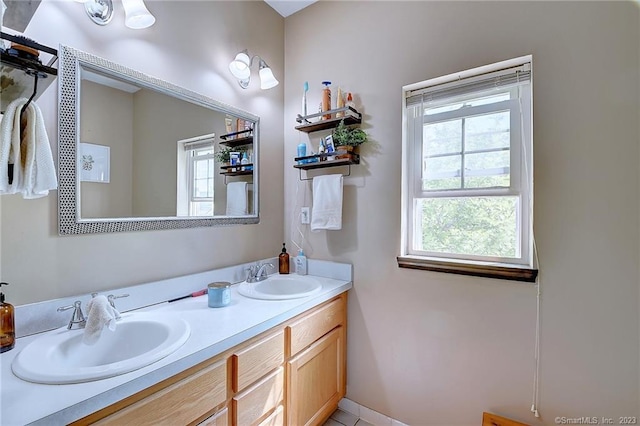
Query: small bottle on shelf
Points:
[302, 151]
[321, 150]
[244, 161]
[350, 102]
[326, 99]
[340, 103]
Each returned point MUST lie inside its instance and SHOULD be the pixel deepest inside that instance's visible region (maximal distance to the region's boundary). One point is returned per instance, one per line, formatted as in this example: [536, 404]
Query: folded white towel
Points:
[10, 148]
[100, 313]
[327, 203]
[39, 170]
[237, 199]
[34, 172]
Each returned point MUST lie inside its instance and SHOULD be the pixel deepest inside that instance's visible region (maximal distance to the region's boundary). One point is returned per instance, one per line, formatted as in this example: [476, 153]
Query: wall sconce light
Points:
[137, 16]
[240, 67]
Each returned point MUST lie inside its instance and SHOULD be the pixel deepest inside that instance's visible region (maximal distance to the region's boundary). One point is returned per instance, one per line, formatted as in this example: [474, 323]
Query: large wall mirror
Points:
[139, 153]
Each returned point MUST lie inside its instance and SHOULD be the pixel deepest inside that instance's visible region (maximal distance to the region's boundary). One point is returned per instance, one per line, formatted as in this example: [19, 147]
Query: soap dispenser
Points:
[301, 263]
[283, 261]
[7, 328]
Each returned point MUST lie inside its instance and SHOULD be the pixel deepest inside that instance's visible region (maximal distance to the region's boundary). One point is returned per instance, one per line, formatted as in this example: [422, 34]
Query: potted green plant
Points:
[223, 155]
[347, 139]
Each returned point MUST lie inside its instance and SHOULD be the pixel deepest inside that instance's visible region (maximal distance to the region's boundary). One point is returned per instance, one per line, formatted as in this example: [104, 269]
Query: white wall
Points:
[190, 45]
[437, 349]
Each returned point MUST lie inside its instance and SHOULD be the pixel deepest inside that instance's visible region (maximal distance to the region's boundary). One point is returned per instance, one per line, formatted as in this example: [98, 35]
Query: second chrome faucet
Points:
[258, 272]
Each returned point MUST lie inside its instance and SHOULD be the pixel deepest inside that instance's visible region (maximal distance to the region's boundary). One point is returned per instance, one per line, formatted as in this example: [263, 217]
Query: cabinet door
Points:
[316, 380]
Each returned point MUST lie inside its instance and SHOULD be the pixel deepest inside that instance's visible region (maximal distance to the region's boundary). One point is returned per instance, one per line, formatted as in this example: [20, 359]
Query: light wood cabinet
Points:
[317, 380]
[184, 402]
[308, 328]
[253, 362]
[221, 418]
[293, 374]
[259, 400]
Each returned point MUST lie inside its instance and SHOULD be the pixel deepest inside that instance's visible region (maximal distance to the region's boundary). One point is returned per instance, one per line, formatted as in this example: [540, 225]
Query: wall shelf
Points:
[248, 140]
[243, 137]
[20, 75]
[321, 161]
[237, 172]
[351, 116]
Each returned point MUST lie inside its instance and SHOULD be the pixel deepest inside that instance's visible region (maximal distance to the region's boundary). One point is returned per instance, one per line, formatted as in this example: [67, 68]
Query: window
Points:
[467, 173]
[201, 175]
[196, 173]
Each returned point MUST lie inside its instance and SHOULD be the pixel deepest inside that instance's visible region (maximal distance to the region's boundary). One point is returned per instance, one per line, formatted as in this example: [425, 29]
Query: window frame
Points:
[192, 158]
[521, 179]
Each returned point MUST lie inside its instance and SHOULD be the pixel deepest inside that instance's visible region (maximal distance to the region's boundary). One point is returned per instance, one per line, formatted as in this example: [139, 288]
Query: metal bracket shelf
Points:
[351, 116]
[321, 161]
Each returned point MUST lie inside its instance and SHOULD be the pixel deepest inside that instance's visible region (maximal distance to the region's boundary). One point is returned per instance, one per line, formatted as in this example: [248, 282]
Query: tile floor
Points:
[344, 418]
[350, 413]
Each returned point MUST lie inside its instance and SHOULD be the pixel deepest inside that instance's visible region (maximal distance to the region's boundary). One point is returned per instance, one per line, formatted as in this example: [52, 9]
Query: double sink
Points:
[140, 339]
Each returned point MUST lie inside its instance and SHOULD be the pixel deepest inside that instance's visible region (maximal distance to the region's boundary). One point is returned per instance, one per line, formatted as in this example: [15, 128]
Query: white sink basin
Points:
[281, 287]
[139, 339]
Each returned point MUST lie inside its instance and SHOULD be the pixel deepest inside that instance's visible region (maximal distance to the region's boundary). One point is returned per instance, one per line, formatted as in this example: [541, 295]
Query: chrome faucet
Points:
[258, 272]
[111, 298]
[77, 319]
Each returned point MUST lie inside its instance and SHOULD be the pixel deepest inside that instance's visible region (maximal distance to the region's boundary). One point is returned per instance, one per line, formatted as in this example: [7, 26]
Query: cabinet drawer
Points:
[255, 361]
[275, 419]
[181, 403]
[252, 404]
[315, 325]
[221, 418]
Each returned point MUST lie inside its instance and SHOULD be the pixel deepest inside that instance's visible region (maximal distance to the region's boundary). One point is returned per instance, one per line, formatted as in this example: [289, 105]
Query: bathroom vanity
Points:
[254, 362]
[297, 368]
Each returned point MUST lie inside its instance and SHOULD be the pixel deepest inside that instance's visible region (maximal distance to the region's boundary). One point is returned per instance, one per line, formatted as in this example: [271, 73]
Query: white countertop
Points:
[212, 331]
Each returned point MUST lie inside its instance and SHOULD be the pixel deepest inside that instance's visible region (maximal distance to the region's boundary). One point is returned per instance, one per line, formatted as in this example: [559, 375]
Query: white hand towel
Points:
[34, 172]
[237, 199]
[327, 203]
[39, 170]
[10, 148]
[99, 314]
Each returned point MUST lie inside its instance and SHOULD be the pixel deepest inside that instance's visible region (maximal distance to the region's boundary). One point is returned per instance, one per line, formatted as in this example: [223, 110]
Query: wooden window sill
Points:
[477, 269]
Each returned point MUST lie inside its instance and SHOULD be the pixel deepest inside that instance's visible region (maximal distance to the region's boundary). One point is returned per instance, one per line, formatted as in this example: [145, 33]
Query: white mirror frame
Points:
[69, 221]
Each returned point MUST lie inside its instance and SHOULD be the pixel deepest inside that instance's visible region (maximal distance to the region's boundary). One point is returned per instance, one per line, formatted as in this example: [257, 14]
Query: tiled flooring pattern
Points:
[350, 413]
[343, 418]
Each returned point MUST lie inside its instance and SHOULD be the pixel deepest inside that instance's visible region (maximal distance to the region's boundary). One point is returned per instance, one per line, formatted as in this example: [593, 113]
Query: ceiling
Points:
[289, 7]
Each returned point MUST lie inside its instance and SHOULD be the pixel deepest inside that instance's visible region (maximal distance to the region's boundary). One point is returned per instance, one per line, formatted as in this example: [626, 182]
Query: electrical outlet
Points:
[304, 216]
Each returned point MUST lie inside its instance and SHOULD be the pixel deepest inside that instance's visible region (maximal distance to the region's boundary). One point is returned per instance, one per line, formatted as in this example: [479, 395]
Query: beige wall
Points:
[162, 121]
[436, 349]
[111, 199]
[191, 45]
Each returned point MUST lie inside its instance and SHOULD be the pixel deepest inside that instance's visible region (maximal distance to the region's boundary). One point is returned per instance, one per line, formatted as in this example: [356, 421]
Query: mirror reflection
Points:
[144, 153]
[138, 153]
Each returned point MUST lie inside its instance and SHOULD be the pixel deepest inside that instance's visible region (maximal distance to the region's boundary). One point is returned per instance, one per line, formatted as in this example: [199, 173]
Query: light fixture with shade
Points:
[240, 67]
[137, 16]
